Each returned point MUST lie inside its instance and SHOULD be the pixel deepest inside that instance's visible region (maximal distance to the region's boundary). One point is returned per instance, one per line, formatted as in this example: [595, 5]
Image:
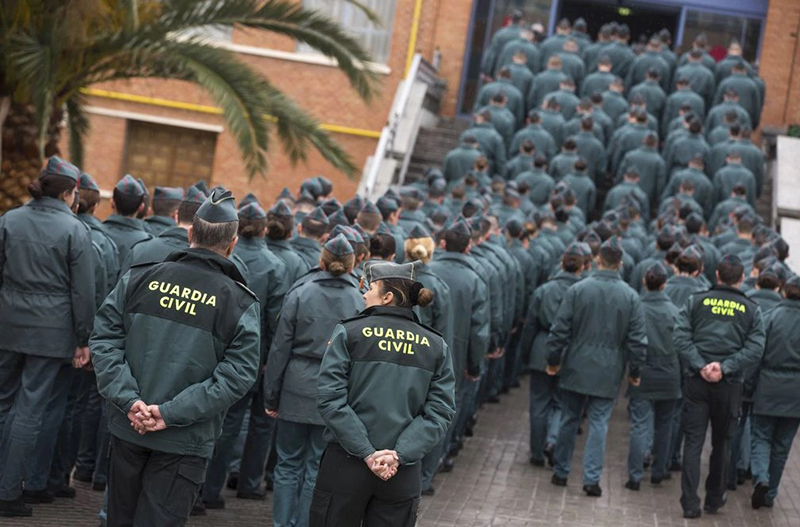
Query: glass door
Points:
[719, 29]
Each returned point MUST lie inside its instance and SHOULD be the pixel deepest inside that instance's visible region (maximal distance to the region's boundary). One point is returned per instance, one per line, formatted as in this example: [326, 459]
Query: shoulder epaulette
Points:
[247, 289]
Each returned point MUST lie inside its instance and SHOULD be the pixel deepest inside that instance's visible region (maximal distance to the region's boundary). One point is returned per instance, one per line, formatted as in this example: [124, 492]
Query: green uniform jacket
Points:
[716, 115]
[310, 313]
[562, 164]
[593, 345]
[650, 166]
[183, 334]
[543, 83]
[684, 150]
[504, 122]
[752, 158]
[777, 391]
[499, 40]
[573, 66]
[614, 104]
[155, 225]
[703, 189]
[47, 280]
[567, 101]
[554, 122]
[459, 161]
[440, 313]
[491, 143]
[542, 312]
[495, 286]
[661, 373]
[308, 250]
[621, 190]
[766, 299]
[674, 102]
[540, 185]
[410, 219]
[594, 152]
[749, 94]
[411, 407]
[471, 326]
[701, 80]
[585, 191]
[517, 165]
[728, 177]
[154, 250]
[721, 325]
[626, 139]
[295, 266]
[267, 278]
[532, 55]
[515, 101]
[679, 288]
[644, 63]
[599, 81]
[536, 134]
[125, 232]
[573, 128]
[653, 95]
[108, 248]
[521, 77]
[724, 208]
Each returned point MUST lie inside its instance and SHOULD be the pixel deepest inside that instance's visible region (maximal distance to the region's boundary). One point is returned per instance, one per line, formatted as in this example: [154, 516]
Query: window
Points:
[375, 39]
[168, 156]
[719, 29]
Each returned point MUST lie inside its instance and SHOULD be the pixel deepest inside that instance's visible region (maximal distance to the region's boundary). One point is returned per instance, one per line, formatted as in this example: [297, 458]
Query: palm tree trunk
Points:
[21, 162]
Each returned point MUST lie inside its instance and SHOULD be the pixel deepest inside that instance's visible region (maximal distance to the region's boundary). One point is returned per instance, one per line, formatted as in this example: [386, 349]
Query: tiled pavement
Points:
[493, 485]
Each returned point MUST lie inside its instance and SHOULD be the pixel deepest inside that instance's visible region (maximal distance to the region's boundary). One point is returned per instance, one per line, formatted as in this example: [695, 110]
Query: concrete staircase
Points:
[433, 144]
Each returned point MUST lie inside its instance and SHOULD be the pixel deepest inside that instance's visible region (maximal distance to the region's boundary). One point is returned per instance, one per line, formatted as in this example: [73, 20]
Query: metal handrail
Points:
[389, 132]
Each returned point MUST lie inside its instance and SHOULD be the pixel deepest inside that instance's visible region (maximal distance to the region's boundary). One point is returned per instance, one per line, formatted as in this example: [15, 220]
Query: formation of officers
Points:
[337, 354]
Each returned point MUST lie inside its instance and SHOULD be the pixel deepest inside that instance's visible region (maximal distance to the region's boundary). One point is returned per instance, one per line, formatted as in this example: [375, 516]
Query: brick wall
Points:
[321, 90]
[780, 63]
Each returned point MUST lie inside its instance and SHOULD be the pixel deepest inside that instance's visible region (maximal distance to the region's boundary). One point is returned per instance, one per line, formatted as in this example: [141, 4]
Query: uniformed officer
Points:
[174, 346]
[311, 233]
[47, 300]
[545, 409]
[776, 405]
[594, 347]
[153, 250]
[123, 226]
[660, 389]
[379, 431]
[267, 275]
[310, 313]
[166, 201]
[720, 336]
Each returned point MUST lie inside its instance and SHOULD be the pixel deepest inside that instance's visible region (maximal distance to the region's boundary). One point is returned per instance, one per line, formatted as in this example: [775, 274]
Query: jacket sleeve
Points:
[561, 332]
[276, 291]
[2, 248]
[115, 381]
[430, 426]
[479, 329]
[280, 352]
[746, 359]
[229, 381]
[332, 386]
[81, 279]
[531, 326]
[636, 341]
[683, 342]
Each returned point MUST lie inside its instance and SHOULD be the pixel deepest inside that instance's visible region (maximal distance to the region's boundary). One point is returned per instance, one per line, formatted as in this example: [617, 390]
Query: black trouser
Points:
[718, 403]
[347, 493]
[148, 488]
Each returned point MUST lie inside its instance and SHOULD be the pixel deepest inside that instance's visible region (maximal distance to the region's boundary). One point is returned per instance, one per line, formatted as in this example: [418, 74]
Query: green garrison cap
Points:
[574, 249]
[312, 186]
[129, 186]
[461, 227]
[612, 243]
[383, 271]
[319, 215]
[387, 205]
[657, 270]
[58, 167]
[694, 252]
[794, 281]
[252, 211]
[345, 231]
[249, 198]
[88, 182]
[384, 229]
[286, 194]
[339, 218]
[339, 246]
[201, 185]
[220, 207]
[281, 209]
[418, 232]
[731, 259]
[326, 184]
[361, 232]
[412, 192]
[370, 208]
[168, 194]
[514, 227]
[194, 195]
[775, 270]
[592, 237]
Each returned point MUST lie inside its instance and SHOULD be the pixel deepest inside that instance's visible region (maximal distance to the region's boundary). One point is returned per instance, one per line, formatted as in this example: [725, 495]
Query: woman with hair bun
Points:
[310, 312]
[280, 228]
[420, 247]
[386, 394]
[47, 303]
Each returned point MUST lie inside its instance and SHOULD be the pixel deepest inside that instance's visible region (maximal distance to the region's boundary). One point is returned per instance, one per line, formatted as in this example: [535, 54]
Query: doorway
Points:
[642, 19]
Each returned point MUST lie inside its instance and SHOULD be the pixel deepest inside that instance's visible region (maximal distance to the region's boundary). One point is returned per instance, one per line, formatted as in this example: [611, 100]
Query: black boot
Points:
[14, 508]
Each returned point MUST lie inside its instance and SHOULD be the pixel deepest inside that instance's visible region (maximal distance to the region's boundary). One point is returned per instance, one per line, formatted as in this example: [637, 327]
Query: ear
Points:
[189, 234]
[387, 299]
[231, 246]
[141, 208]
[174, 216]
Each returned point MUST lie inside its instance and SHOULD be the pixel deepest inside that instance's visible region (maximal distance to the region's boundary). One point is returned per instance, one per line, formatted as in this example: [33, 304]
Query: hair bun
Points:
[420, 296]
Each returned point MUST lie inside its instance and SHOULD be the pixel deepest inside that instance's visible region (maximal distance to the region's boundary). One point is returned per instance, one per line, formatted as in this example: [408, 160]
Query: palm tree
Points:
[51, 49]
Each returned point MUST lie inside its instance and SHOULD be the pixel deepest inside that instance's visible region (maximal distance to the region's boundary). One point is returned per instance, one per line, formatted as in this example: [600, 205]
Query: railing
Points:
[421, 71]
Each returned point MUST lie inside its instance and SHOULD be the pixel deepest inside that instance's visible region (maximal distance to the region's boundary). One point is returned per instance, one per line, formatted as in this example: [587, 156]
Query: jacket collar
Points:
[49, 203]
[655, 296]
[209, 259]
[306, 242]
[392, 311]
[728, 289]
[162, 220]
[91, 221]
[175, 232]
[129, 223]
[606, 274]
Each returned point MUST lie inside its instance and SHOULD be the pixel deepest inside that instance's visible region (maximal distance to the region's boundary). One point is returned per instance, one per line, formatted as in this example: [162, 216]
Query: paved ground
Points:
[493, 485]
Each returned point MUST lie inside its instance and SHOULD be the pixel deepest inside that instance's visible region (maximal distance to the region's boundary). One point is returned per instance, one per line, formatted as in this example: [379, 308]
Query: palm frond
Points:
[77, 128]
[296, 130]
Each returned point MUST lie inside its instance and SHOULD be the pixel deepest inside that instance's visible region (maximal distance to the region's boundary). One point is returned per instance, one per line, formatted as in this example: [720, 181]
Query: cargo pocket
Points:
[320, 503]
[185, 487]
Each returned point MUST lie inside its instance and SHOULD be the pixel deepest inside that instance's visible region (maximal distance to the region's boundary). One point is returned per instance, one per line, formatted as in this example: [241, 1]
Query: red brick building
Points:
[169, 133]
